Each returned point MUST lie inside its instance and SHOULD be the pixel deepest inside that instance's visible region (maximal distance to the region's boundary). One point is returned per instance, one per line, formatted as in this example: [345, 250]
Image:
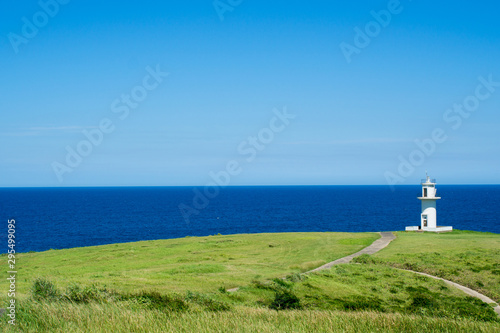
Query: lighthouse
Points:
[428, 215]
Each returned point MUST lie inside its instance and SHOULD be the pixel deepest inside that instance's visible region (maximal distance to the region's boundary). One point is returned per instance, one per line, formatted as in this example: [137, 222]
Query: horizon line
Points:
[267, 185]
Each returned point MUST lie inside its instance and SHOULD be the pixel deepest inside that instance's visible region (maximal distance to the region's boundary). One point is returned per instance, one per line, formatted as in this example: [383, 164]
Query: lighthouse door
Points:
[424, 220]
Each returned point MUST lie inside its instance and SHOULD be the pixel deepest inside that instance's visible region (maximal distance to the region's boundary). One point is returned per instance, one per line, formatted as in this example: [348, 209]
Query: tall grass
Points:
[57, 317]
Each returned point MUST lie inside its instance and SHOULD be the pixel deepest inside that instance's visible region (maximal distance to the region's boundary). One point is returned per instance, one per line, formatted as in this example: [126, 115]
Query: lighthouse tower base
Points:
[435, 229]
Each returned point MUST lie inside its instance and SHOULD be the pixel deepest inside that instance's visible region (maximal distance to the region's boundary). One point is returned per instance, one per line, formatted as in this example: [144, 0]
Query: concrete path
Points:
[466, 290]
[376, 246]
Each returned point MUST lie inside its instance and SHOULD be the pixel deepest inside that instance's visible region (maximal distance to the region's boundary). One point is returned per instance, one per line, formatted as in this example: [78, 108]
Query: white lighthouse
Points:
[428, 216]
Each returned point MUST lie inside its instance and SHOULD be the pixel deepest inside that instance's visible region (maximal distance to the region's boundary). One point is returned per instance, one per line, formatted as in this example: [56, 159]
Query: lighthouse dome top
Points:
[428, 181]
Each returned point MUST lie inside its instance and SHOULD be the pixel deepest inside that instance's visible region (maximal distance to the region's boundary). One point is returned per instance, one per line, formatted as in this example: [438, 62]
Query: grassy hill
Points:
[181, 285]
[191, 263]
[465, 257]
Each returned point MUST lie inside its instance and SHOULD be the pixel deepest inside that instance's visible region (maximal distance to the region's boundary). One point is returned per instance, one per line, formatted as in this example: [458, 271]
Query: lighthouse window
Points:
[425, 192]
[424, 219]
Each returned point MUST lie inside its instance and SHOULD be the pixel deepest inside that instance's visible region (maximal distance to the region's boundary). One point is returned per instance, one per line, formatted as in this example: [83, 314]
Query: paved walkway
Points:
[376, 246]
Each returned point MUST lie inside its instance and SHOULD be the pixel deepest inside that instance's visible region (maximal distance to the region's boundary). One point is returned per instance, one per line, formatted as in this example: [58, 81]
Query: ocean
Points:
[57, 218]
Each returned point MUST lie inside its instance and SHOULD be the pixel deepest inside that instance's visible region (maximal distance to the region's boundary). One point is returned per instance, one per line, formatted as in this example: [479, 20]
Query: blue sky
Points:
[356, 117]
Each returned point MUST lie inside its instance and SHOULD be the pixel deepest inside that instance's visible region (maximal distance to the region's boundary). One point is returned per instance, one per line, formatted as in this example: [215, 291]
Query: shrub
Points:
[360, 303]
[296, 277]
[364, 259]
[155, 300]
[79, 294]
[285, 300]
[43, 289]
[421, 301]
[206, 302]
[421, 298]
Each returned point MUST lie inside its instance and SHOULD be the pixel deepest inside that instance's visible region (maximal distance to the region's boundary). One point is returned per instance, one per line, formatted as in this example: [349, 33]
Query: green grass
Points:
[180, 285]
[193, 263]
[351, 287]
[122, 317]
[325, 304]
[465, 257]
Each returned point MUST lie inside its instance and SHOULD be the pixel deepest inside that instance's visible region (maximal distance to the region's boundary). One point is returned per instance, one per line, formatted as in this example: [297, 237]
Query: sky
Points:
[185, 93]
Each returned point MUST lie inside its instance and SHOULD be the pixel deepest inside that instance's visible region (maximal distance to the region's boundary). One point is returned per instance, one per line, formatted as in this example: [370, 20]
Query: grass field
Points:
[180, 285]
[466, 257]
[105, 318]
[192, 263]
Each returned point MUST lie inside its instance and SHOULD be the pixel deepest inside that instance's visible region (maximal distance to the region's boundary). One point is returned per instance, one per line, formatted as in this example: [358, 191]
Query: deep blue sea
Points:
[56, 218]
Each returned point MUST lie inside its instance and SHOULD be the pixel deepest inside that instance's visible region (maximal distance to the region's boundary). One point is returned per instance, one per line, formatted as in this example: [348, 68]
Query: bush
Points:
[43, 289]
[206, 302]
[285, 300]
[79, 294]
[360, 303]
[364, 259]
[155, 300]
[421, 301]
[296, 277]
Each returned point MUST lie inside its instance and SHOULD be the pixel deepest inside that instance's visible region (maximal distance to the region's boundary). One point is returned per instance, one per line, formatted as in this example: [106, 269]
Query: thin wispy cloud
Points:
[60, 128]
[42, 130]
[19, 134]
[349, 141]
